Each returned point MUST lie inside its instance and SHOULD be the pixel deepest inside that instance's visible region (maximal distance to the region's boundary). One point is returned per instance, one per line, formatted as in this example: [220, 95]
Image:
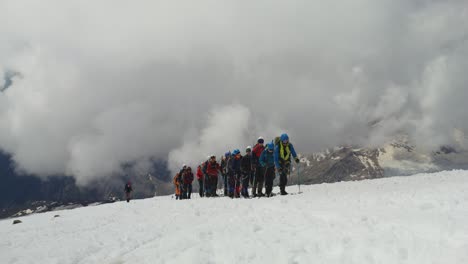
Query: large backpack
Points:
[277, 141]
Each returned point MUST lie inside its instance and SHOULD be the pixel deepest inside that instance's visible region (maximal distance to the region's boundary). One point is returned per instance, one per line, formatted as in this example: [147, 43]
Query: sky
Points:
[99, 84]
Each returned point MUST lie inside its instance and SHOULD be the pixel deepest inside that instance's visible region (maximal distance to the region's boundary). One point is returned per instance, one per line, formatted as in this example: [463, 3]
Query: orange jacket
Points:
[176, 184]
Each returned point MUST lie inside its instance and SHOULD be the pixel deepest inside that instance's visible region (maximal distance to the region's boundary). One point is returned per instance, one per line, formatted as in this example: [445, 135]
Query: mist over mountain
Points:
[396, 158]
[104, 88]
[21, 192]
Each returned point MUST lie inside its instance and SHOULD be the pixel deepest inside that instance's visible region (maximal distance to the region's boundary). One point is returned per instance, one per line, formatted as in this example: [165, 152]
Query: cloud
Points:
[226, 129]
[112, 82]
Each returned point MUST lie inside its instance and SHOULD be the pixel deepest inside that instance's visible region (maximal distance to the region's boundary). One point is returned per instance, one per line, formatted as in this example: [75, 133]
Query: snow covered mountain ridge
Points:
[398, 157]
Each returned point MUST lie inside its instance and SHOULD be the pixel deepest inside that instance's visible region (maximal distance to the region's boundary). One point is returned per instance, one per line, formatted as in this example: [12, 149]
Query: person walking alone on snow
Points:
[128, 191]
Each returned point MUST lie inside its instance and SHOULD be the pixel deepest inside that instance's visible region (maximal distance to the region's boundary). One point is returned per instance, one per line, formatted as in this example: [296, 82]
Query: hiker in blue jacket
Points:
[283, 152]
[235, 174]
[267, 161]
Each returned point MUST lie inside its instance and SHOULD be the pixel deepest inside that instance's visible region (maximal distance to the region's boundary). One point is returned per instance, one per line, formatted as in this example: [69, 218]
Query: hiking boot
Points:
[283, 190]
[261, 194]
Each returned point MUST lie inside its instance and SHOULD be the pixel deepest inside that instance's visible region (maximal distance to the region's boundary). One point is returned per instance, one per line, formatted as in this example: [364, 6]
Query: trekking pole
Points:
[254, 180]
[264, 181]
[204, 184]
[239, 184]
[277, 176]
[254, 171]
[218, 181]
[299, 178]
[246, 179]
[235, 185]
[217, 184]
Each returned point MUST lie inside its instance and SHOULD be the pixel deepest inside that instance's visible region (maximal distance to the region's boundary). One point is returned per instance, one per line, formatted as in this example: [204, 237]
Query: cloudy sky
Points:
[101, 83]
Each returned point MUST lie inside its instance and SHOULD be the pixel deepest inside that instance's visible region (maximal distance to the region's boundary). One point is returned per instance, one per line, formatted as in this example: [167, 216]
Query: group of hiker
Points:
[258, 168]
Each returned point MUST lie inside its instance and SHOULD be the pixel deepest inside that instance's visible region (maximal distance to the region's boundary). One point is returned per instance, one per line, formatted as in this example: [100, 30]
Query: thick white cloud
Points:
[110, 82]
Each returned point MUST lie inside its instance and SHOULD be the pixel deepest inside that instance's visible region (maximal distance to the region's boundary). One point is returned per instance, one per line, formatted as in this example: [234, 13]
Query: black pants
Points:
[201, 191]
[245, 183]
[215, 185]
[182, 192]
[259, 180]
[234, 181]
[226, 186]
[269, 178]
[211, 185]
[187, 191]
[284, 173]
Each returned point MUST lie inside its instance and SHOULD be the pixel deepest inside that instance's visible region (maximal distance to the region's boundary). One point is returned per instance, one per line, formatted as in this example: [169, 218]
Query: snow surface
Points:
[417, 219]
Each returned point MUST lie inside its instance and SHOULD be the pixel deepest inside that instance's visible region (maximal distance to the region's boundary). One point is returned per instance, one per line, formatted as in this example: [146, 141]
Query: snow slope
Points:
[418, 219]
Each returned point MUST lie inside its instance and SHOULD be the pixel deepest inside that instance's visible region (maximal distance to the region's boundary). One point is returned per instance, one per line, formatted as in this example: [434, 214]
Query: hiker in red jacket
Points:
[258, 178]
[187, 181]
[200, 179]
[211, 169]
